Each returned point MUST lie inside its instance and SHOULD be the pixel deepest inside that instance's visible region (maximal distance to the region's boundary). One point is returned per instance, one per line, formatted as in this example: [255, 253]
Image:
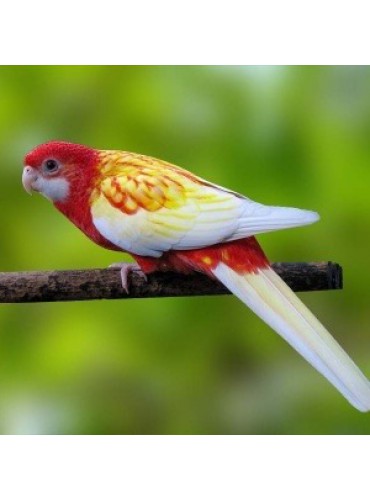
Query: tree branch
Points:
[91, 284]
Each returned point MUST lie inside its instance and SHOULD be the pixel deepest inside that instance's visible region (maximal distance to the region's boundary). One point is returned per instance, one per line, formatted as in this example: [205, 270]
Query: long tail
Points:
[269, 297]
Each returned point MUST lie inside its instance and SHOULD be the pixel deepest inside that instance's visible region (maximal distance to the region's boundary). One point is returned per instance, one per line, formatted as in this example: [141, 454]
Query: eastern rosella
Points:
[169, 219]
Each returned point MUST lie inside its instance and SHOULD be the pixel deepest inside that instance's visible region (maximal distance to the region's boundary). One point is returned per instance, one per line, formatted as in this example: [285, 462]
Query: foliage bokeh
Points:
[294, 136]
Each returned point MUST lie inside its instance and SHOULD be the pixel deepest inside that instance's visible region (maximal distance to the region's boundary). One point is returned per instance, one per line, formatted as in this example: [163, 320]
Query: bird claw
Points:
[126, 269]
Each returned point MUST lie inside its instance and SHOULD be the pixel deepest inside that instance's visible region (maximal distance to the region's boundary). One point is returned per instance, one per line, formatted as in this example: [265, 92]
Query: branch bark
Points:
[92, 284]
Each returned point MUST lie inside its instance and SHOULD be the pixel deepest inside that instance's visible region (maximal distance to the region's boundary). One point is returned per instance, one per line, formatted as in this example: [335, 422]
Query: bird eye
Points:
[51, 165]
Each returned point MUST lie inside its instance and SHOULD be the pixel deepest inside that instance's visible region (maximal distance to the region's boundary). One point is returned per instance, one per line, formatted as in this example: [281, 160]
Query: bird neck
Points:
[77, 206]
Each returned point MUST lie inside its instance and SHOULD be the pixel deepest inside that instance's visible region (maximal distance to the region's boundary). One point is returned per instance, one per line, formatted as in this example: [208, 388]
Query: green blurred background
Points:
[281, 135]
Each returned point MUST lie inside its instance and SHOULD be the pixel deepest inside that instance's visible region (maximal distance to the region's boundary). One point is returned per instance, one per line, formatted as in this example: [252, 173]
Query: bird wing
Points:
[147, 206]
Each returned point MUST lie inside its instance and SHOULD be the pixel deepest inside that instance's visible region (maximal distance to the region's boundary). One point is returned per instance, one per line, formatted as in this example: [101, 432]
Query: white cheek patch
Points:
[53, 189]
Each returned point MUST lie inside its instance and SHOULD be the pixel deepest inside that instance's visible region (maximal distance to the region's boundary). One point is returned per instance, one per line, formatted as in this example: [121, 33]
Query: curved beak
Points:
[29, 176]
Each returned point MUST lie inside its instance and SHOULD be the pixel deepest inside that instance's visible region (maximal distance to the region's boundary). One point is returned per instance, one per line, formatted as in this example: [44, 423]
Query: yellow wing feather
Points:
[148, 206]
[143, 182]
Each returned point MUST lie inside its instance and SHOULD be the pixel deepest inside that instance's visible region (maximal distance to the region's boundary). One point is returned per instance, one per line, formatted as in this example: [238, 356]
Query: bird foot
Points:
[126, 269]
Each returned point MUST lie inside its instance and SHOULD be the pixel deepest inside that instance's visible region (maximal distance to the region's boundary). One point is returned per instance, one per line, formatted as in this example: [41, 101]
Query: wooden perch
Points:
[91, 284]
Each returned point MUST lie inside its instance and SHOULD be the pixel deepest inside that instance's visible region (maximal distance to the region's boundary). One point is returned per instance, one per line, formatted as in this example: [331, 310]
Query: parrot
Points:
[169, 219]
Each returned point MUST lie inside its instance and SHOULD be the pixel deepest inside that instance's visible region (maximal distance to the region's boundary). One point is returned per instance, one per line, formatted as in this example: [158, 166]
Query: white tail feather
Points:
[271, 299]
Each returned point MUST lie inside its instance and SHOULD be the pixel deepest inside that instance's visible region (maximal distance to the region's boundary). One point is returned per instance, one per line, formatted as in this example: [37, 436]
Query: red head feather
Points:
[66, 152]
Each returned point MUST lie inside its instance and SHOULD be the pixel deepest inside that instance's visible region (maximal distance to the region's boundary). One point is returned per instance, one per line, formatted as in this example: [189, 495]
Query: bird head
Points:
[59, 169]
